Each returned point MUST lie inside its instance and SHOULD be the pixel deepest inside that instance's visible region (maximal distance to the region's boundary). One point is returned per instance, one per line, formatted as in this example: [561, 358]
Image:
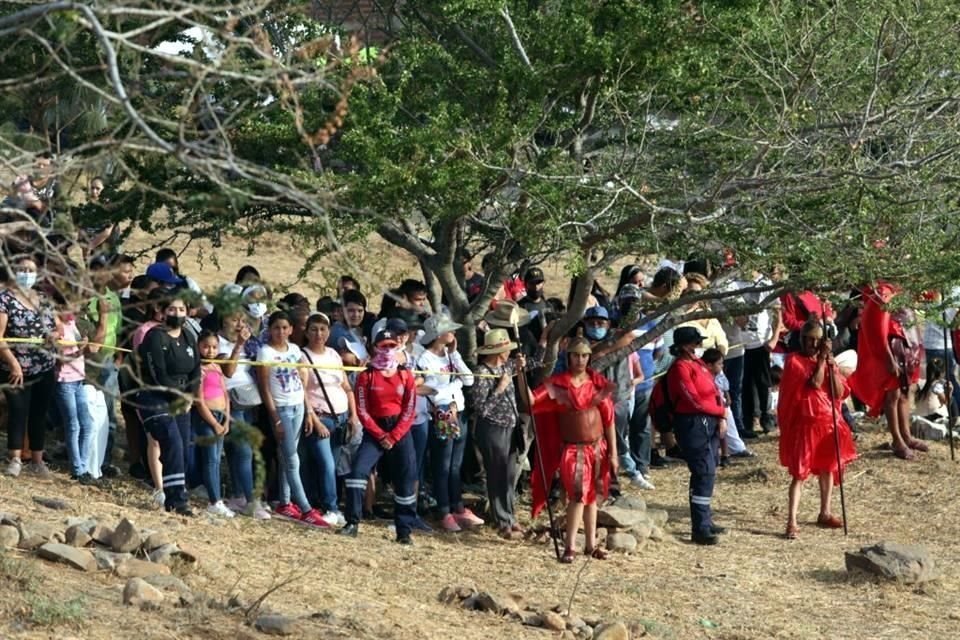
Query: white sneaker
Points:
[220, 509]
[334, 518]
[159, 498]
[638, 480]
[14, 467]
[236, 504]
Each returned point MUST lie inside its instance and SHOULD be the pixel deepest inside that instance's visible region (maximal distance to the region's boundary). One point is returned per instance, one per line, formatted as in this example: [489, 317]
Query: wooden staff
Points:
[836, 426]
[949, 367]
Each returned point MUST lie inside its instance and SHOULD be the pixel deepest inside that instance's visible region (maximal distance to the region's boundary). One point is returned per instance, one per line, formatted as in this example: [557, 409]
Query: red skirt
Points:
[808, 448]
[585, 471]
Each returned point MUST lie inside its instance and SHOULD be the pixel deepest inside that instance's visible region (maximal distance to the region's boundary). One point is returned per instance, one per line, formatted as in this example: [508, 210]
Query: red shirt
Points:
[692, 389]
[381, 397]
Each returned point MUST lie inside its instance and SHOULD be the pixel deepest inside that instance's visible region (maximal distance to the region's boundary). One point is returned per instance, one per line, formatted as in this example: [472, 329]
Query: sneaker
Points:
[256, 511]
[289, 511]
[351, 530]
[420, 525]
[220, 509]
[468, 519]
[449, 523]
[184, 510]
[14, 467]
[638, 480]
[39, 469]
[88, 480]
[746, 453]
[707, 539]
[314, 518]
[236, 504]
[158, 498]
[109, 471]
[717, 530]
[404, 538]
[334, 519]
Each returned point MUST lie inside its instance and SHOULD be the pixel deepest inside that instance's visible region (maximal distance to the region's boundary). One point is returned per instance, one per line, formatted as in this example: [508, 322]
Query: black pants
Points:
[501, 459]
[172, 433]
[27, 408]
[756, 389]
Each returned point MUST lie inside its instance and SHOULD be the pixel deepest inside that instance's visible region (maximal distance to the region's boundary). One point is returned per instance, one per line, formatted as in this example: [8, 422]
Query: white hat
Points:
[436, 326]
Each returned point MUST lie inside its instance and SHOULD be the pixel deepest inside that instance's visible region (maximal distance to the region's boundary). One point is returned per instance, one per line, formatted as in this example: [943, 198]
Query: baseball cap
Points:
[686, 335]
[163, 273]
[534, 274]
[396, 325]
[630, 292]
[386, 336]
[597, 312]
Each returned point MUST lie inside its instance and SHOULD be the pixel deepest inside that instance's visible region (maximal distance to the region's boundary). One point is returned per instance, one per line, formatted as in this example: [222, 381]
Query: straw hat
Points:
[436, 326]
[496, 341]
[507, 314]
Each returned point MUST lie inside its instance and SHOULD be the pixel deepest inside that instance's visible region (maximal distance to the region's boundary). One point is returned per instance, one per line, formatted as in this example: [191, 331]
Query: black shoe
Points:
[404, 538]
[88, 480]
[184, 510]
[351, 530]
[656, 460]
[138, 471]
[746, 453]
[420, 525]
[674, 452]
[717, 530]
[381, 513]
[707, 539]
[749, 435]
[724, 462]
[109, 471]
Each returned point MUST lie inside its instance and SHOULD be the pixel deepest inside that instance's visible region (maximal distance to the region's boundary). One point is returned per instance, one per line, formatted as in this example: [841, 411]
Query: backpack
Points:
[660, 408]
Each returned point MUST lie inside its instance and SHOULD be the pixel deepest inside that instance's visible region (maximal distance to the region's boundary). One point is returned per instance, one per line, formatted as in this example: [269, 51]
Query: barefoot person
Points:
[807, 440]
[574, 416]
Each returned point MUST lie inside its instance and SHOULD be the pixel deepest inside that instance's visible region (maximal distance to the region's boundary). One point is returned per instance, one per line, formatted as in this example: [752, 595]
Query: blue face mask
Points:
[25, 279]
[596, 333]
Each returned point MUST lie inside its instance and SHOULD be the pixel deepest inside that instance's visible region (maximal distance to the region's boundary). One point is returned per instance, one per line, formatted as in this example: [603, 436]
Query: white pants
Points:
[734, 442]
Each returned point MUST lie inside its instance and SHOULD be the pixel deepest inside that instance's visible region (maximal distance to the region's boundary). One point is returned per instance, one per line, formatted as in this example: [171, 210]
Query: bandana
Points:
[384, 358]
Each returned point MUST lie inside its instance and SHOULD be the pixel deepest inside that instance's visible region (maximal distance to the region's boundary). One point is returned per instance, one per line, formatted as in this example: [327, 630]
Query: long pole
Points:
[949, 366]
[836, 426]
[524, 391]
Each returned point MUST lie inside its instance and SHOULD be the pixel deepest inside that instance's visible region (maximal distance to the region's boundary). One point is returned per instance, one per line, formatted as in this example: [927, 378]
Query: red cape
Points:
[556, 397]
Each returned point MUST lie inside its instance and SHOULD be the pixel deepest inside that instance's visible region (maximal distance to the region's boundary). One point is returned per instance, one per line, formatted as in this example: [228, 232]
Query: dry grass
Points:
[755, 585]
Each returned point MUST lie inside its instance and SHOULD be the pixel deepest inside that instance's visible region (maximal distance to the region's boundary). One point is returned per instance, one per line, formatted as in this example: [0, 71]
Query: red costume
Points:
[807, 444]
[879, 330]
[570, 424]
[797, 308]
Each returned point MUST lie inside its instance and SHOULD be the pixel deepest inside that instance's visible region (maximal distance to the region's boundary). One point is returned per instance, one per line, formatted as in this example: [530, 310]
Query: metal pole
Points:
[836, 426]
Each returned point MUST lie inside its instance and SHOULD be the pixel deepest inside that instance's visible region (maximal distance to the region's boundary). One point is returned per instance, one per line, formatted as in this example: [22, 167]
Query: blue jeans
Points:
[641, 436]
[420, 434]
[291, 419]
[240, 456]
[208, 455]
[323, 453]
[77, 423]
[733, 369]
[446, 455]
[110, 385]
[622, 411]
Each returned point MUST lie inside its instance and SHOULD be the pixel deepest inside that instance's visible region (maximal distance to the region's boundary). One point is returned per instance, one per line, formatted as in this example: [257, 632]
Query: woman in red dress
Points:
[574, 421]
[806, 417]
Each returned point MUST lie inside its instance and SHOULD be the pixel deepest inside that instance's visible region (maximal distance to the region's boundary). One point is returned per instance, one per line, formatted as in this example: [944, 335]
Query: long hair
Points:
[935, 371]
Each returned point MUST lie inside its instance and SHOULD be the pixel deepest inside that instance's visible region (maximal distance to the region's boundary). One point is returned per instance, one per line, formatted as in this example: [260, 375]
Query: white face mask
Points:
[699, 352]
[257, 309]
[25, 279]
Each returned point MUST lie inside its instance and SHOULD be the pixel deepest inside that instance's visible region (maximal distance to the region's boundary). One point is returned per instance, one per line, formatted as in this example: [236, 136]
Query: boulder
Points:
[530, 619]
[658, 517]
[156, 540]
[108, 559]
[86, 524]
[909, 564]
[77, 558]
[642, 530]
[77, 537]
[164, 554]
[9, 536]
[172, 584]
[634, 503]
[625, 542]
[553, 621]
[101, 534]
[31, 542]
[274, 625]
[621, 518]
[37, 529]
[611, 631]
[125, 538]
[133, 568]
[138, 592]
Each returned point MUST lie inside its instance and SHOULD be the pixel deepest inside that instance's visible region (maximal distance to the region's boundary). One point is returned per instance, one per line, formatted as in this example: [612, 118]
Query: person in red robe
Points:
[573, 413]
[808, 418]
[888, 355]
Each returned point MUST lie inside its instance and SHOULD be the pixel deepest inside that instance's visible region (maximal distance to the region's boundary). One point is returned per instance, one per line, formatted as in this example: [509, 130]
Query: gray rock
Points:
[553, 621]
[38, 529]
[86, 524]
[584, 633]
[138, 591]
[642, 530]
[31, 542]
[274, 625]
[52, 503]
[575, 622]
[9, 518]
[101, 534]
[611, 631]
[9, 536]
[621, 542]
[134, 568]
[621, 518]
[77, 537]
[656, 534]
[634, 503]
[125, 538]
[530, 619]
[108, 559]
[164, 554]
[77, 558]
[156, 540]
[909, 564]
[172, 584]
[498, 604]
[658, 517]
[566, 634]
[454, 592]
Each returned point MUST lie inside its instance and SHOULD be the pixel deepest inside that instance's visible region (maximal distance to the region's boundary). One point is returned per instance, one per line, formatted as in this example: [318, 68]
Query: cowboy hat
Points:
[436, 326]
[507, 314]
[496, 341]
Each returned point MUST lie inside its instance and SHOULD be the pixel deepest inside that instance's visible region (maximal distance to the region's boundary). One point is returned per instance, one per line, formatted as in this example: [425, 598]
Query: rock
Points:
[77, 537]
[612, 631]
[584, 633]
[620, 518]
[138, 591]
[530, 619]
[454, 592]
[567, 635]
[593, 621]
[101, 534]
[188, 554]
[658, 517]
[77, 558]
[86, 524]
[9, 536]
[38, 529]
[172, 584]
[656, 534]
[634, 503]
[31, 542]
[9, 519]
[621, 542]
[52, 503]
[156, 540]
[497, 604]
[553, 621]
[164, 554]
[575, 622]
[133, 568]
[274, 625]
[909, 564]
[125, 538]
[108, 559]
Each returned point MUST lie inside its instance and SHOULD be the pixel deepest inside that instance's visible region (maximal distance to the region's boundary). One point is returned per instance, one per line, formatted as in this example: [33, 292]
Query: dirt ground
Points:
[755, 584]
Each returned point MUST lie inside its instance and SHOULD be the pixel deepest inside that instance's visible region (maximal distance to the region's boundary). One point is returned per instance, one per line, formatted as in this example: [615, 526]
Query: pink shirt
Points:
[73, 367]
[141, 332]
[332, 380]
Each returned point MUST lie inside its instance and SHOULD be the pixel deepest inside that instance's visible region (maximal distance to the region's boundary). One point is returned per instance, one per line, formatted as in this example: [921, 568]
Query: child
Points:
[211, 421]
[732, 444]
[72, 398]
[930, 405]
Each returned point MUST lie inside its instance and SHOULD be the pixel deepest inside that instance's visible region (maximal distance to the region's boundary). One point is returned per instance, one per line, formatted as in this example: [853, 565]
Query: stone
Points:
[172, 584]
[611, 631]
[108, 559]
[58, 537]
[642, 530]
[138, 592]
[621, 518]
[164, 554]
[77, 537]
[38, 529]
[31, 542]
[125, 538]
[274, 625]
[657, 535]
[9, 536]
[584, 633]
[134, 568]
[86, 524]
[454, 592]
[909, 564]
[77, 558]
[553, 621]
[658, 517]
[625, 542]
[9, 518]
[101, 534]
[575, 622]
[635, 503]
[188, 554]
[156, 540]
[567, 635]
[52, 503]
[491, 603]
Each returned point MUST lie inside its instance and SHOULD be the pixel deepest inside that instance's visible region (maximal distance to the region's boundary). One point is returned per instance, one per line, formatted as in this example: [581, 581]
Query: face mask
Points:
[596, 333]
[175, 322]
[25, 279]
[699, 352]
[257, 309]
[384, 358]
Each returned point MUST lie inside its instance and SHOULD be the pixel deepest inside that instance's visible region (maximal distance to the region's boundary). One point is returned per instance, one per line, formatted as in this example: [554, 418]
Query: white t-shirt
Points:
[449, 388]
[244, 372]
[285, 384]
[931, 405]
[332, 380]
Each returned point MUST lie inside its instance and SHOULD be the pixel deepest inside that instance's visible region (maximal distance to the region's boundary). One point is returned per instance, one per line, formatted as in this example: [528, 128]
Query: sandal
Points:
[596, 553]
[829, 522]
[905, 453]
[791, 533]
[568, 556]
[918, 445]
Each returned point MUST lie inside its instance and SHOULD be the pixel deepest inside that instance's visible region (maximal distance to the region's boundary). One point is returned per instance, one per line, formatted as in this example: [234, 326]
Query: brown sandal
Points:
[568, 556]
[791, 533]
[596, 553]
[829, 522]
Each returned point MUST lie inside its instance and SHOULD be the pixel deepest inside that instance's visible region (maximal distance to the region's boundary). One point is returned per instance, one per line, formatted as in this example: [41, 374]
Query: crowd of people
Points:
[339, 404]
